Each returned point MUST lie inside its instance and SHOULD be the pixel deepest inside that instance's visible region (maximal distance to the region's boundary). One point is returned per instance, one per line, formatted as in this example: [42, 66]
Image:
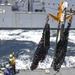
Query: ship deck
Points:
[63, 71]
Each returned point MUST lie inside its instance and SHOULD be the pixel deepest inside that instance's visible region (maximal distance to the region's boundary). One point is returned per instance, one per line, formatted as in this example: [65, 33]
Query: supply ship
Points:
[29, 13]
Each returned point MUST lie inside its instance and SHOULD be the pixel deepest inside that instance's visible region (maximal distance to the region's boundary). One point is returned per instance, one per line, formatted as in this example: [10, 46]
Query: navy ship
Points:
[29, 13]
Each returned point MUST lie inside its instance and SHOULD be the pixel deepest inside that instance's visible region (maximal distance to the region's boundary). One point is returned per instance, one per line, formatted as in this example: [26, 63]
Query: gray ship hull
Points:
[21, 19]
[26, 19]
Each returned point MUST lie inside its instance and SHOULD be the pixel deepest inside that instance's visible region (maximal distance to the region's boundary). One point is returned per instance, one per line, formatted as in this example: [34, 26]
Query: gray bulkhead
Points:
[28, 17]
[25, 17]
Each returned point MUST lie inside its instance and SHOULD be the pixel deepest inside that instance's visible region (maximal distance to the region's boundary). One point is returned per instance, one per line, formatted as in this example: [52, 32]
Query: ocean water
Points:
[24, 43]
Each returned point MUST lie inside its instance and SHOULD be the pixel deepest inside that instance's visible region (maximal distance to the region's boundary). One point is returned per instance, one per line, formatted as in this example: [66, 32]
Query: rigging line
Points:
[65, 16]
[57, 34]
[63, 24]
[47, 19]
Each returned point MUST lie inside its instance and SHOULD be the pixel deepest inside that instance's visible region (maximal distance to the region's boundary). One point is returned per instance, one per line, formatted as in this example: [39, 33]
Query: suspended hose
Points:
[57, 34]
[61, 48]
[42, 48]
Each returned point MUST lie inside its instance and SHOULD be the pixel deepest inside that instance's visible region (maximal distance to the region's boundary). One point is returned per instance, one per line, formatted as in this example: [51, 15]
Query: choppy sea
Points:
[24, 43]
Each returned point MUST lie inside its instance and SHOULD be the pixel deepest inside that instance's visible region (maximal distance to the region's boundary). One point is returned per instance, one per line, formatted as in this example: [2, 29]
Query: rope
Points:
[57, 37]
[56, 43]
[63, 25]
[57, 32]
[47, 19]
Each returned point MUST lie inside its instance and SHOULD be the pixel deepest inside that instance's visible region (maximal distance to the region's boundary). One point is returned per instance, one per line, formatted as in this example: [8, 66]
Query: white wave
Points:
[46, 63]
[24, 61]
[32, 35]
[25, 64]
[70, 61]
[9, 34]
